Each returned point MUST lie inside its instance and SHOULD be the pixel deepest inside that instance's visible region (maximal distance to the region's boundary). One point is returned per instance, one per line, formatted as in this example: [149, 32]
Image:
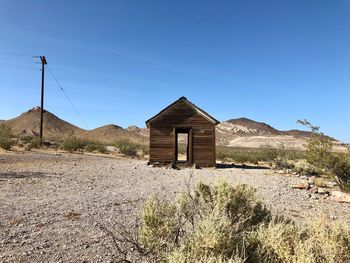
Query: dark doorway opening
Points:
[183, 145]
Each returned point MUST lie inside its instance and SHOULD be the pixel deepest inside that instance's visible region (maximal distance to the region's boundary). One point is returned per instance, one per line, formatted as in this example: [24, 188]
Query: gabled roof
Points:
[190, 104]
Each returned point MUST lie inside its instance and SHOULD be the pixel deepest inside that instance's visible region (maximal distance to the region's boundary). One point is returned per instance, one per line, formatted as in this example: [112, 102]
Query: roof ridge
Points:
[183, 98]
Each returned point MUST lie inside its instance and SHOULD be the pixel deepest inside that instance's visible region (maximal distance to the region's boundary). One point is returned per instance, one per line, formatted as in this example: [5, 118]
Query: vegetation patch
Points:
[227, 224]
[256, 155]
[319, 153]
[29, 142]
[6, 138]
[132, 149]
[73, 144]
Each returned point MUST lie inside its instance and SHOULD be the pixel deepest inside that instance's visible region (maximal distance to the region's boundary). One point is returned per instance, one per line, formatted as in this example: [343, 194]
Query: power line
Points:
[53, 76]
[16, 67]
[15, 53]
[65, 94]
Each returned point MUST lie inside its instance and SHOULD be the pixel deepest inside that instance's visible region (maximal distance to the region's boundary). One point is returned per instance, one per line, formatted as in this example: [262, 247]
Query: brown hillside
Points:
[29, 123]
[112, 133]
[55, 128]
[298, 133]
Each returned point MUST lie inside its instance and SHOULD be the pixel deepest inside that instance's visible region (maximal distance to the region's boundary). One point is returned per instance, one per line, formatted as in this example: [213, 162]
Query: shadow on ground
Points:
[241, 166]
[21, 175]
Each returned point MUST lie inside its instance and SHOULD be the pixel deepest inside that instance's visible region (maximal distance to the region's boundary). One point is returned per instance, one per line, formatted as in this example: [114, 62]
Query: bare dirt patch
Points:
[52, 206]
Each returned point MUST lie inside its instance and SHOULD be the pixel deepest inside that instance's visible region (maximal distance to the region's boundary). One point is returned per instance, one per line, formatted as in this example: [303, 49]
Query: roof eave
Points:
[202, 112]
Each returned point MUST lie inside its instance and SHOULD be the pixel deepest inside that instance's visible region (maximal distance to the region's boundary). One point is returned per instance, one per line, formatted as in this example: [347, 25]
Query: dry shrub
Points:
[210, 223]
[227, 224]
[285, 242]
[72, 144]
[131, 149]
[6, 136]
[159, 227]
[341, 170]
[301, 166]
[30, 141]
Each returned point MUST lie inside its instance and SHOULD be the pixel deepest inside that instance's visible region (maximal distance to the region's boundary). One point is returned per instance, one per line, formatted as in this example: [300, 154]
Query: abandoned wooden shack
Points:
[182, 125]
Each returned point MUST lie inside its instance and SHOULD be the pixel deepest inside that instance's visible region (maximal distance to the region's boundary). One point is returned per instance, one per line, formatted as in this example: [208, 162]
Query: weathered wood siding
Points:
[162, 136]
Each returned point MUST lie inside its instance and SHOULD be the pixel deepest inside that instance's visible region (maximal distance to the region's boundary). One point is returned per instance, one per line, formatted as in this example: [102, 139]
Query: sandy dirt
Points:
[52, 206]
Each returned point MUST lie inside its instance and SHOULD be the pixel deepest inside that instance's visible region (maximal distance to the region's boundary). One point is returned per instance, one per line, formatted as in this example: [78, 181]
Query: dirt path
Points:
[52, 206]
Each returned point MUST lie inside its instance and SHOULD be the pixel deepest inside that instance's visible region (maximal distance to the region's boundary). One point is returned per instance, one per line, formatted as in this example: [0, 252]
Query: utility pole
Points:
[43, 63]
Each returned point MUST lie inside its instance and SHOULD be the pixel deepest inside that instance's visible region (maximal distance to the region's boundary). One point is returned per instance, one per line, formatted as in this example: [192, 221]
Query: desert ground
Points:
[60, 207]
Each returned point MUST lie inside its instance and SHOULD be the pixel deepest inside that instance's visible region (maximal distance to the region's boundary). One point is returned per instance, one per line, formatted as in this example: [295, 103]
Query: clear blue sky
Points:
[123, 61]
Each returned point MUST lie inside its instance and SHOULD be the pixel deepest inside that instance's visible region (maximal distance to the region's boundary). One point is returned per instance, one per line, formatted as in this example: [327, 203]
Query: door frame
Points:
[188, 130]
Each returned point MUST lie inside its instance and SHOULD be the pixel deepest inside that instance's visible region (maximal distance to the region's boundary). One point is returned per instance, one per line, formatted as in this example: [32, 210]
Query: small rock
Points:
[312, 180]
[340, 197]
[314, 189]
[314, 196]
[333, 217]
[322, 190]
[302, 185]
[331, 184]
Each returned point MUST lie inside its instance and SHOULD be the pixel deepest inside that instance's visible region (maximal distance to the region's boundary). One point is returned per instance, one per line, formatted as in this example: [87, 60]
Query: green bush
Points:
[6, 136]
[131, 149]
[73, 144]
[319, 153]
[95, 147]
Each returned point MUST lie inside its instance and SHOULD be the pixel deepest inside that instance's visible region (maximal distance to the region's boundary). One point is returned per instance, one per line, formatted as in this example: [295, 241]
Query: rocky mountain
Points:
[243, 132]
[247, 127]
[54, 127]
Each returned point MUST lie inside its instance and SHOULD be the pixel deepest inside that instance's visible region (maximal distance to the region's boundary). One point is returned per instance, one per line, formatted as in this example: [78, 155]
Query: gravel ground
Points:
[55, 208]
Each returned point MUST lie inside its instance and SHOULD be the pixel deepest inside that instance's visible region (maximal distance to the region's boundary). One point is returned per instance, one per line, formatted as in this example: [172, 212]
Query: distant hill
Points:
[29, 123]
[111, 133]
[54, 127]
[241, 132]
[244, 126]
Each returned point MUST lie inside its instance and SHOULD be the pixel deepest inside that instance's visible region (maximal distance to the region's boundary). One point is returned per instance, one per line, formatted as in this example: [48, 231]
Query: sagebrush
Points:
[228, 224]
